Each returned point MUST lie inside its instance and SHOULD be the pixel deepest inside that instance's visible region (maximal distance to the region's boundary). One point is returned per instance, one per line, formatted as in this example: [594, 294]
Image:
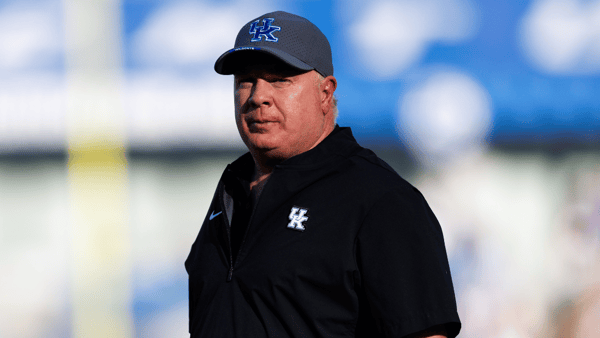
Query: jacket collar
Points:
[338, 144]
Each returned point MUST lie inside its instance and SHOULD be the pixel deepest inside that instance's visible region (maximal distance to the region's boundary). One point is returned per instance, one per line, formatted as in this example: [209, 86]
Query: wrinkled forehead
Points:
[253, 62]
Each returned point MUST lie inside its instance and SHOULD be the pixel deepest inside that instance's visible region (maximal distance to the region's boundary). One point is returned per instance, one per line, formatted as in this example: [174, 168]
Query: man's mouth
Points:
[259, 123]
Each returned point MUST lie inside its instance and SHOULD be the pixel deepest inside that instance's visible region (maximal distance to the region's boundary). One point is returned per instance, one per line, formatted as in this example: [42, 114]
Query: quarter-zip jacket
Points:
[338, 245]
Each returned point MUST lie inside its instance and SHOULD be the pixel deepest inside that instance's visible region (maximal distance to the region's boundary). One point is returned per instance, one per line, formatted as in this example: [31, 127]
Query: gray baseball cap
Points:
[290, 38]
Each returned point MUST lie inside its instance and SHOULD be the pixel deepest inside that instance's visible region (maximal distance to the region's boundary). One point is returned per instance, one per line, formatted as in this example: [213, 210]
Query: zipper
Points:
[227, 225]
[230, 274]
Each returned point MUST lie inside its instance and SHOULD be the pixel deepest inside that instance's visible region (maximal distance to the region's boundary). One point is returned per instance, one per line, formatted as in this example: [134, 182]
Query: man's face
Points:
[278, 110]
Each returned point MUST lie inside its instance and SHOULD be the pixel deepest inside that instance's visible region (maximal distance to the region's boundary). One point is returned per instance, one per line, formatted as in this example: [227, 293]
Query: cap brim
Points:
[233, 59]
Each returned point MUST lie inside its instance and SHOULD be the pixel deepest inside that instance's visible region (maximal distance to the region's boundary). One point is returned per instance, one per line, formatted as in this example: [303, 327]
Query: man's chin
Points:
[262, 142]
[272, 155]
[267, 151]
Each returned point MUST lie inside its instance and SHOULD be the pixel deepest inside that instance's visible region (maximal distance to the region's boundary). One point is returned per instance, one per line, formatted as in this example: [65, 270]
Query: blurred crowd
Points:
[522, 229]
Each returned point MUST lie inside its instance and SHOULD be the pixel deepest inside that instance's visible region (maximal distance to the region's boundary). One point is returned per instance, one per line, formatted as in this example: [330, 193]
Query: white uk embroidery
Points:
[297, 216]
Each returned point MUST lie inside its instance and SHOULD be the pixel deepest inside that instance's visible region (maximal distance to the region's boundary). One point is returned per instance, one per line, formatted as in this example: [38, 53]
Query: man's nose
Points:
[262, 93]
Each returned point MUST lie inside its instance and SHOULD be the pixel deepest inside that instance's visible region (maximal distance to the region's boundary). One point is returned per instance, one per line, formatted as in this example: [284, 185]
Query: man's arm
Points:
[403, 268]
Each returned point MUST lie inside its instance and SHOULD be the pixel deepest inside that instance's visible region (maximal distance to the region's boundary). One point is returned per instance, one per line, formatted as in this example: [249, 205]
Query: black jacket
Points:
[338, 245]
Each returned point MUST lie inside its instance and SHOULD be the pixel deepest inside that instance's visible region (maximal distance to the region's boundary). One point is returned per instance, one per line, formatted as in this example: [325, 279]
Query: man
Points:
[309, 234]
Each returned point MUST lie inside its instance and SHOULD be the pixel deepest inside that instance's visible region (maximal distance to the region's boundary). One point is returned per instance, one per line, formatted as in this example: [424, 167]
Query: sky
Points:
[430, 75]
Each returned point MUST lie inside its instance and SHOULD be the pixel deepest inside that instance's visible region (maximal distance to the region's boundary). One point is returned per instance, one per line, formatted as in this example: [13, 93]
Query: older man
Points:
[309, 234]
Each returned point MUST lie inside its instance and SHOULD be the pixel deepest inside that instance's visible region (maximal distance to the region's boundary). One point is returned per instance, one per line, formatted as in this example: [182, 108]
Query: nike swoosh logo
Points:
[213, 215]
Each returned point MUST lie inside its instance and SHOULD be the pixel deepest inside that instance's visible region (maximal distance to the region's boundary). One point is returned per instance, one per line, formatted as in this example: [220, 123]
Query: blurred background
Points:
[114, 130]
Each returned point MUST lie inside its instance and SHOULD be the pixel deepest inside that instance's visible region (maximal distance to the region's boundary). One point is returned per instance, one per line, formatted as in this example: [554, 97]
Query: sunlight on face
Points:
[278, 109]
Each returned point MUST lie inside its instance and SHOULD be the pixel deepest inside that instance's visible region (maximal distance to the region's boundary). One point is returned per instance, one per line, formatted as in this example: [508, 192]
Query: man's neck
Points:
[263, 165]
[259, 179]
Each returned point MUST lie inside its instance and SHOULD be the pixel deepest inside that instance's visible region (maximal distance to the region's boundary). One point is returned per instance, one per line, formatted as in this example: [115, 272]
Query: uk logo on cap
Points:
[265, 30]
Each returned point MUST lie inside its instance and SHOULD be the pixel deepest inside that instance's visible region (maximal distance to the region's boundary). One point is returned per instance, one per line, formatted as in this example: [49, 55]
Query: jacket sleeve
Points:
[403, 266]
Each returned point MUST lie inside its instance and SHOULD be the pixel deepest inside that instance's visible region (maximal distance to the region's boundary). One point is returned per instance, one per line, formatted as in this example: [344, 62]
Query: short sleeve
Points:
[403, 267]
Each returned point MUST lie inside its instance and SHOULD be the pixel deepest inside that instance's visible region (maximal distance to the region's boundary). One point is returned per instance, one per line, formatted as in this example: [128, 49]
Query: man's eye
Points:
[280, 81]
[244, 83]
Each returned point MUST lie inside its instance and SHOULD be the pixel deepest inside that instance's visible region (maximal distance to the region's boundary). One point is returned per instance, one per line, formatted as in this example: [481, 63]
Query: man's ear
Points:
[328, 86]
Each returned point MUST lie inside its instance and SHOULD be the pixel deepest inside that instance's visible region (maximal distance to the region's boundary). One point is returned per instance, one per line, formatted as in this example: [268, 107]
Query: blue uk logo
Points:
[265, 30]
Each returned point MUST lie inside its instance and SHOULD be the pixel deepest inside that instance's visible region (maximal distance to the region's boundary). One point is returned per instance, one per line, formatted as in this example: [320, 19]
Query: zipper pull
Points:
[230, 274]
